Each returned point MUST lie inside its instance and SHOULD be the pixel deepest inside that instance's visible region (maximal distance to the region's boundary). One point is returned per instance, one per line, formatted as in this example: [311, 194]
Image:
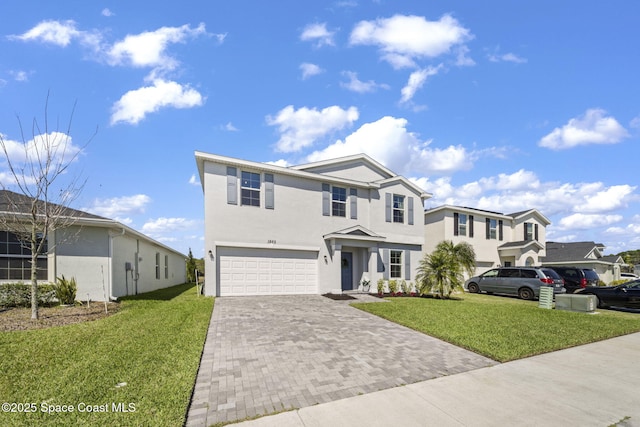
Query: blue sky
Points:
[497, 105]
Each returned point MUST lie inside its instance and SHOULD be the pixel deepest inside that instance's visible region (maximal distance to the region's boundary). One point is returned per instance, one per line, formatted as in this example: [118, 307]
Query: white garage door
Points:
[267, 272]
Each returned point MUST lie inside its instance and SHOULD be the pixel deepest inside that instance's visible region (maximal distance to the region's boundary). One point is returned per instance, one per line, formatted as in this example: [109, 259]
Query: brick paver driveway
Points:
[266, 354]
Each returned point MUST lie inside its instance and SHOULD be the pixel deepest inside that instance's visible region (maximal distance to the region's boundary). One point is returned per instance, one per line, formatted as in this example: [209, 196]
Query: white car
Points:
[628, 276]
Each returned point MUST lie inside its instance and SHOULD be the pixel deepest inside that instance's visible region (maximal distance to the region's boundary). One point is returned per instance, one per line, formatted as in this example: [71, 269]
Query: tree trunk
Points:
[34, 274]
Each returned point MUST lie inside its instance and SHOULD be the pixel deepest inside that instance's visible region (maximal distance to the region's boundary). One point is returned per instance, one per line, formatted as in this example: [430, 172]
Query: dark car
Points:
[576, 278]
[626, 295]
[524, 282]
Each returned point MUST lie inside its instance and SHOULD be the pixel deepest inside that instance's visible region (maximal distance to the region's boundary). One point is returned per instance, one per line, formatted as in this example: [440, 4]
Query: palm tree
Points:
[443, 270]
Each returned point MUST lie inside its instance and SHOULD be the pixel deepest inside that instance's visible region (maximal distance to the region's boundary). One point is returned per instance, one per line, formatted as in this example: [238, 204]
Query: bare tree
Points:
[38, 169]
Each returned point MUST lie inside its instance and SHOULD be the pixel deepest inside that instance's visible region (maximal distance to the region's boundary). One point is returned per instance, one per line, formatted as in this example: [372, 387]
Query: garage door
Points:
[267, 272]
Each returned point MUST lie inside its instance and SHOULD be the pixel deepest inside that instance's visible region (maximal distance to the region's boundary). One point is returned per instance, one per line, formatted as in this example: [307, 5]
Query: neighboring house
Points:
[108, 259]
[585, 255]
[516, 239]
[307, 229]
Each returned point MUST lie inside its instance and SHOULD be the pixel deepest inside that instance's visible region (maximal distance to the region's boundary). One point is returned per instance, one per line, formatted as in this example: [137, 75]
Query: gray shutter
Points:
[456, 220]
[407, 265]
[500, 230]
[268, 191]
[410, 219]
[353, 202]
[536, 231]
[385, 264]
[326, 200]
[488, 227]
[470, 225]
[387, 207]
[232, 186]
[525, 232]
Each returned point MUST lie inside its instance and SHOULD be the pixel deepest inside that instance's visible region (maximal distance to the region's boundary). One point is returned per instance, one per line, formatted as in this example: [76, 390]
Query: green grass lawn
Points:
[503, 328]
[153, 344]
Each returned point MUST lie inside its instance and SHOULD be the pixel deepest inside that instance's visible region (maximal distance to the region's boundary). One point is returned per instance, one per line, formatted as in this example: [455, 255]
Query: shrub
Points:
[380, 286]
[66, 290]
[19, 294]
[616, 282]
[393, 287]
[404, 288]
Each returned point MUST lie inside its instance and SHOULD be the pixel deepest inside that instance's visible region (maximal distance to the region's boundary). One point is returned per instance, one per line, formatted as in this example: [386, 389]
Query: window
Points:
[158, 265]
[462, 225]
[166, 266]
[493, 229]
[395, 264]
[339, 201]
[15, 259]
[530, 231]
[250, 189]
[398, 208]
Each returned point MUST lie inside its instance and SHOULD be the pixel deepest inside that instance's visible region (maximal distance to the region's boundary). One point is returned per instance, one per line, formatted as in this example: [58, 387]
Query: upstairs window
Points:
[493, 229]
[250, 189]
[339, 201]
[398, 208]
[459, 224]
[530, 231]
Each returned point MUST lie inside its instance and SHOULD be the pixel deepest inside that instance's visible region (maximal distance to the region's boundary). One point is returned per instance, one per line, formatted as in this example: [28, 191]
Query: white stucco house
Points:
[516, 239]
[307, 229]
[107, 258]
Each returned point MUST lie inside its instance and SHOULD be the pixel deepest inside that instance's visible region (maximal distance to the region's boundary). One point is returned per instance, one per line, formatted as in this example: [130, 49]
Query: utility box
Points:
[576, 302]
[546, 297]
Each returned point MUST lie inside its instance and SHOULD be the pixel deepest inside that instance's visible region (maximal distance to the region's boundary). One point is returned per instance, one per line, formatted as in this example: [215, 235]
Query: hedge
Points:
[19, 294]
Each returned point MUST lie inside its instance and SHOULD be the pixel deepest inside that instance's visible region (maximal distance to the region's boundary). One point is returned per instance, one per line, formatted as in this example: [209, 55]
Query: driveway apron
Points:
[268, 354]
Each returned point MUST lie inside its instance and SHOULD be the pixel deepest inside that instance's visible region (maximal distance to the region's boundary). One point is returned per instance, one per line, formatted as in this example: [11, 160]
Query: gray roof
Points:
[16, 203]
[573, 251]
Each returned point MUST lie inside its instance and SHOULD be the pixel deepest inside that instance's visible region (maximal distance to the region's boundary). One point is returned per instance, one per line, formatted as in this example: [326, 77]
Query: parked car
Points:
[524, 282]
[626, 295]
[576, 278]
[628, 276]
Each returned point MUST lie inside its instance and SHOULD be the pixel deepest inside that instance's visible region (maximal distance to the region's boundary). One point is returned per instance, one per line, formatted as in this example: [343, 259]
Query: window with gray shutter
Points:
[385, 264]
[470, 225]
[232, 185]
[353, 203]
[326, 199]
[500, 230]
[407, 265]
[456, 219]
[387, 207]
[410, 207]
[268, 191]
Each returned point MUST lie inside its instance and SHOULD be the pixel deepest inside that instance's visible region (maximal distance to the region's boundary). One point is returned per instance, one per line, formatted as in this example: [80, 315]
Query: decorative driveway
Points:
[272, 353]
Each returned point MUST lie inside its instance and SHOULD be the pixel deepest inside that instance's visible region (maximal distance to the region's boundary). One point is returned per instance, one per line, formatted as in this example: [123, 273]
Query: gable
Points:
[358, 167]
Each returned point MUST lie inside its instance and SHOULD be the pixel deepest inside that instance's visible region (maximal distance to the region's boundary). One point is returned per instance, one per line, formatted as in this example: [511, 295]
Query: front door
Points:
[347, 271]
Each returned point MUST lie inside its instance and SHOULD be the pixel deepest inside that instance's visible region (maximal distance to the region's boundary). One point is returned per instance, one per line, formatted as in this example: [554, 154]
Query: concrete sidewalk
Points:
[592, 385]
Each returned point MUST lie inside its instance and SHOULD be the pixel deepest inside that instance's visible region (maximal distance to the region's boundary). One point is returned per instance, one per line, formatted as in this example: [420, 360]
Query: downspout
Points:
[111, 236]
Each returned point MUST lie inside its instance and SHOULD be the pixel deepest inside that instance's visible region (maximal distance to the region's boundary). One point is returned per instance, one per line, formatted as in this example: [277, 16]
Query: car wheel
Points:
[525, 293]
[473, 288]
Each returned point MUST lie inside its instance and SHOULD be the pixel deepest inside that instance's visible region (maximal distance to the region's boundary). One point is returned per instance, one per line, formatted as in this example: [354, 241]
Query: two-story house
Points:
[498, 239]
[307, 229]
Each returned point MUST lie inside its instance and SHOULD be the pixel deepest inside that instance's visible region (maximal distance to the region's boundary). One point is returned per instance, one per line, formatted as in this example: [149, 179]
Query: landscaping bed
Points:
[19, 318]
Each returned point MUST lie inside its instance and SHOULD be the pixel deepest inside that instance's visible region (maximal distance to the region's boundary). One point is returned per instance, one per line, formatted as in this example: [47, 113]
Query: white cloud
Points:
[20, 76]
[280, 162]
[594, 127]
[318, 32]
[117, 207]
[356, 85]
[586, 221]
[134, 105]
[301, 128]
[309, 70]
[635, 122]
[402, 39]
[53, 32]
[388, 141]
[416, 81]
[614, 197]
[230, 127]
[160, 226]
[194, 180]
[462, 60]
[58, 145]
[506, 57]
[148, 49]
[106, 12]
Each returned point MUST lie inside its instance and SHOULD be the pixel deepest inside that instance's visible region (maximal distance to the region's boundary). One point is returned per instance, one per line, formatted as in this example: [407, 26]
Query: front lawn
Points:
[136, 367]
[503, 328]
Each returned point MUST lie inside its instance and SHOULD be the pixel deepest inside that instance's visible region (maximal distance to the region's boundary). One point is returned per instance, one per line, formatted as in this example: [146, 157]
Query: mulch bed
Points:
[19, 319]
